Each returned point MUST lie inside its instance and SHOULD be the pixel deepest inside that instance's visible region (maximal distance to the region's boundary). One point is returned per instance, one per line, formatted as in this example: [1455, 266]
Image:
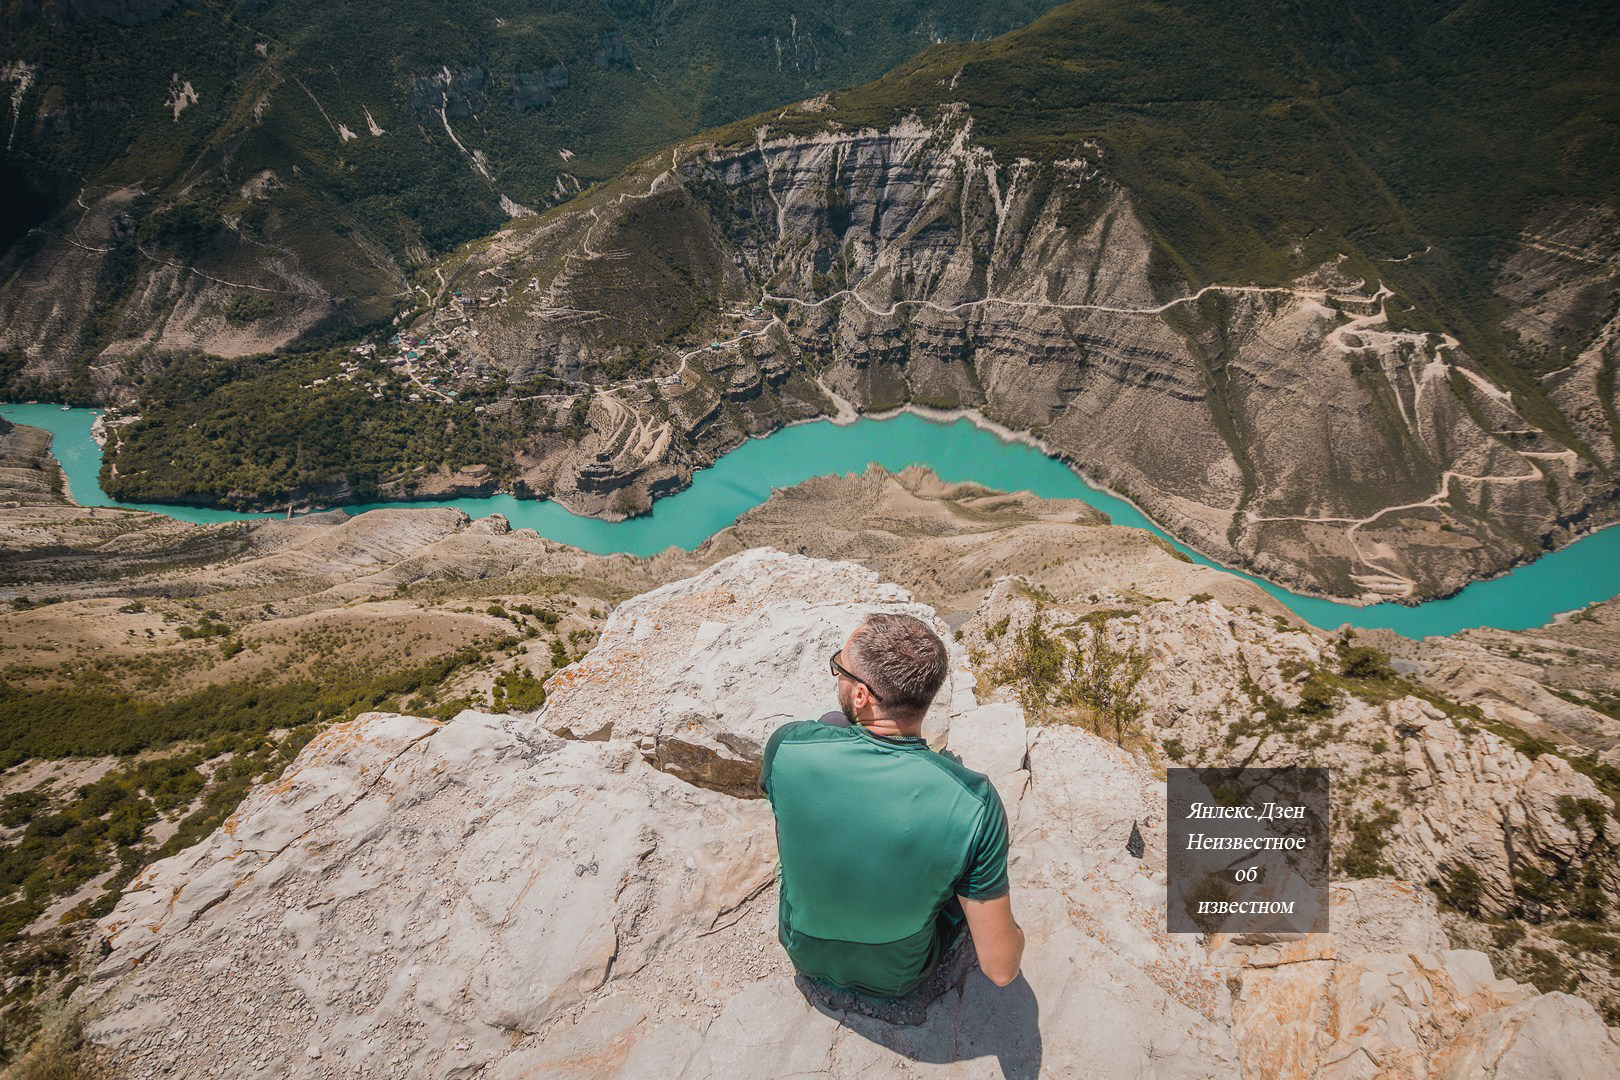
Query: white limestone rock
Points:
[701, 671]
[1550, 1037]
[484, 898]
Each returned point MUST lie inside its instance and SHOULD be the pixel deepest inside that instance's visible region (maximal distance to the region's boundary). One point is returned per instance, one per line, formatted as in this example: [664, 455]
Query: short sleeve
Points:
[769, 755]
[985, 877]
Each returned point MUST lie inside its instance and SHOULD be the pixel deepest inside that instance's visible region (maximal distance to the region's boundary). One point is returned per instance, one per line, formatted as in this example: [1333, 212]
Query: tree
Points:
[1104, 679]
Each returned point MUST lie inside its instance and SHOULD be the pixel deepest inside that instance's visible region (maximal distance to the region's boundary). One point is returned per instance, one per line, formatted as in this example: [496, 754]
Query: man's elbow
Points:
[1002, 978]
[1003, 969]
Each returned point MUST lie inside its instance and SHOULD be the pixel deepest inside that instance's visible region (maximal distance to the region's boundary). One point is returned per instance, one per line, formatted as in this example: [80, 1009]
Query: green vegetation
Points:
[1461, 890]
[518, 691]
[102, 826]
[545, 617]
[1035, 666]
[1507, 935]
[1213, 889]
[255, 432]
[1365, 662]
[71, 839]
[1547, 971]
[1576, 890]
[277, 84]
[1363, 856]
[1593, 942]
[1077, 678]
[99, 715]
[1591, 812]
[207, 627]
[1316, 697]
[204, 751]
[1605, 703]
[60, 1052]
[1605, 776]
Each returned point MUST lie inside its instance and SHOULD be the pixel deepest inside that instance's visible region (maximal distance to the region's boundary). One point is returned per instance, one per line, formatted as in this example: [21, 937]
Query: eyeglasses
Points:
[839, 669]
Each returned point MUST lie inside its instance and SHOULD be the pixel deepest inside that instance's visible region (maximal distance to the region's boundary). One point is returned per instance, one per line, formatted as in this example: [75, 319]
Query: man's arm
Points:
[996, 936]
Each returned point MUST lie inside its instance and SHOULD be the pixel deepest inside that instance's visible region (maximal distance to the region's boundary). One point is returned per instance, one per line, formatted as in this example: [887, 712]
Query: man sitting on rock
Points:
[886, 846]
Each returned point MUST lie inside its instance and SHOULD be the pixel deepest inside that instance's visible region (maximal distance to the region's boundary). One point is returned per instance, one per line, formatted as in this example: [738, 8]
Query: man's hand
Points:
[996, 936]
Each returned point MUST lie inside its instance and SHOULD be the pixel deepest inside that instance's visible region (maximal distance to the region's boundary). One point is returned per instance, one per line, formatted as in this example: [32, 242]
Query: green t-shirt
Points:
[876, 836]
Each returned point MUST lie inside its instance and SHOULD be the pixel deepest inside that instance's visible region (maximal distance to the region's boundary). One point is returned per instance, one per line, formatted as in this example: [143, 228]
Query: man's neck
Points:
[882, 725]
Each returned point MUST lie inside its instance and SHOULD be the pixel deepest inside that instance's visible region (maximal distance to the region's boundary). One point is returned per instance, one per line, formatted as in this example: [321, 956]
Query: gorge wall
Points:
[1299, 431]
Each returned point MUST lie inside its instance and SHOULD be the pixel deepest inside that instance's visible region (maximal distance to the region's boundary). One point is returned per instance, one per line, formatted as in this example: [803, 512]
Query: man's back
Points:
[877, 835]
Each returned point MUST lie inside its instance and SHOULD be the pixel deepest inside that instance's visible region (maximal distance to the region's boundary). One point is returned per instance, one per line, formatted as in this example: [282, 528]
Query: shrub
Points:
[1316, 697]
[1462, 889]
[1507, 935]
[1366, 662]
[518, 691]
[1364, 856]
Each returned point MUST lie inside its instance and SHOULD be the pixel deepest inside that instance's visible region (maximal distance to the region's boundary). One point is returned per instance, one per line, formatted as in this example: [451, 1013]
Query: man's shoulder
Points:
[977, 783]
[806, 728]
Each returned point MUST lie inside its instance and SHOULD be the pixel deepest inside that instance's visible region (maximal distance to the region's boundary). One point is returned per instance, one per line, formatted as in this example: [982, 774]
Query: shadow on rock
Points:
[957, 1014]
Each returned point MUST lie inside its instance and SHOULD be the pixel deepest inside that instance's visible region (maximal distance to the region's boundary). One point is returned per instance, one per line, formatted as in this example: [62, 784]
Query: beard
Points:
[844, 701]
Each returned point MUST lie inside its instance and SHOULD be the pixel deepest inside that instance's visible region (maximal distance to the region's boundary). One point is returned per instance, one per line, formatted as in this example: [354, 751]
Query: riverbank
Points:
[964, 449]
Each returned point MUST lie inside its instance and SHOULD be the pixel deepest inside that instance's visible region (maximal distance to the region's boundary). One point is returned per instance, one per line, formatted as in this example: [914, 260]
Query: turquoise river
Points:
[1585, 571]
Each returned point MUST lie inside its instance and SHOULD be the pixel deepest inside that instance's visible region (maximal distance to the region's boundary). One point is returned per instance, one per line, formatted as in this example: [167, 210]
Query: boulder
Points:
[700, 672]
[1550, 1037]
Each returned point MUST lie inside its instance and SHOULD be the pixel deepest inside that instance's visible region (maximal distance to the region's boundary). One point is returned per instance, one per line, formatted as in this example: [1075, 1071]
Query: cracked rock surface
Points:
[487, 898]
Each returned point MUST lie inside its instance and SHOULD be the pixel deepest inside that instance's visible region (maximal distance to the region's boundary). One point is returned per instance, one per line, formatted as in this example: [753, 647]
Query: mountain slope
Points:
[228, 176]
[1287, 296]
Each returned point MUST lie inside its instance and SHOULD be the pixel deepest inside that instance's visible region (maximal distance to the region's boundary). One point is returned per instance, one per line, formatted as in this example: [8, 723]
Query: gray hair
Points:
[903, 660]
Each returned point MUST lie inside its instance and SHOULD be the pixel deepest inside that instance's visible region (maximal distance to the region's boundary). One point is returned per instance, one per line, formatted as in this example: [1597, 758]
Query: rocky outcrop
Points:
[1416, 1010]
[1553, 681]
[1225, 687]
[484, 897]
[1516, 822]
[676, 670]
[29, 475]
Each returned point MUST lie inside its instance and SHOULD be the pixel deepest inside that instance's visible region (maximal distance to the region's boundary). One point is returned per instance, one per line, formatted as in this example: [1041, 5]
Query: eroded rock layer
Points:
[1300, 430]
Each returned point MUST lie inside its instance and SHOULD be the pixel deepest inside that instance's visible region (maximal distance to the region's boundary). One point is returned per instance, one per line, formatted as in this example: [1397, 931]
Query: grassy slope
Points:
[639, 75]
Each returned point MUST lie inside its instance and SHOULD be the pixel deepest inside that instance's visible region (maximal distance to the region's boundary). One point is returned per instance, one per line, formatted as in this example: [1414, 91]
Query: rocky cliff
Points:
[28, 472]
[588, 892]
